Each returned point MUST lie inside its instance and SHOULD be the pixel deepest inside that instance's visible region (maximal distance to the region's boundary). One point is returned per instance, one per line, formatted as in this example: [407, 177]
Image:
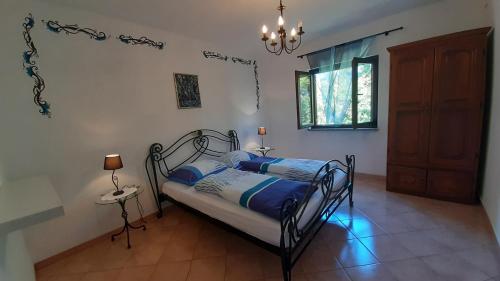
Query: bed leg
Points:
[285, 265]
[160, 211]
[351, 202]
[159, 214]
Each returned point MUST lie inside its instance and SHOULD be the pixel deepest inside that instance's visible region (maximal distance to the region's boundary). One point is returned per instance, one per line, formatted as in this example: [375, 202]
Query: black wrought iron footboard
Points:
[296, 233]
[298, 228]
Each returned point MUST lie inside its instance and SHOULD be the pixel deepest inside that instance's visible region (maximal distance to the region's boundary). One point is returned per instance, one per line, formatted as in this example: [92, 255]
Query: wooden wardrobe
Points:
[436, 101]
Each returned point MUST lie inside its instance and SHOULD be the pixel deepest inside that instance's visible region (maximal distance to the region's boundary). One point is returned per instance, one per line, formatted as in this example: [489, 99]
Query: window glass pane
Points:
[333, 93]
[365, 83]
[305, 106]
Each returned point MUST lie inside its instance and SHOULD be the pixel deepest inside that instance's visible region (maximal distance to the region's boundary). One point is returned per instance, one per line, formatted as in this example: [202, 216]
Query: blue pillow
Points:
[232, 159]
[191, 173]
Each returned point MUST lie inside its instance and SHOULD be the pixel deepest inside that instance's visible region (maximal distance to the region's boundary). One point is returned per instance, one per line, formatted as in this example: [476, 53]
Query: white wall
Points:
[106, 97]
[369, 146]
[491, 186]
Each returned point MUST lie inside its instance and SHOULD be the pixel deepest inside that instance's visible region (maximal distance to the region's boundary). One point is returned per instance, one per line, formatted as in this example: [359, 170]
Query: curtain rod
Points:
[386, 33]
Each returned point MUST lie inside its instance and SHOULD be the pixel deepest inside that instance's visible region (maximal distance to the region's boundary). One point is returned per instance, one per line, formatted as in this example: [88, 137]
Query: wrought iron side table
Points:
[263, 150]
[130, 192]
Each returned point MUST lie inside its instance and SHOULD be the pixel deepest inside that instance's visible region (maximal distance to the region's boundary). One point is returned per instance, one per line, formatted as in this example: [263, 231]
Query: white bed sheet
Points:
[246, 220]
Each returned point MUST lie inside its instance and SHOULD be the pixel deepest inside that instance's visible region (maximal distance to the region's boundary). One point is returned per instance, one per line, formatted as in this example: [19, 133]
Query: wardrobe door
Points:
[459, 79]
[409, 106]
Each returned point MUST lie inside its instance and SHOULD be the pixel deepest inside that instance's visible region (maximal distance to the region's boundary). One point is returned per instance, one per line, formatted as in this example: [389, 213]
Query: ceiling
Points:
[239, 21]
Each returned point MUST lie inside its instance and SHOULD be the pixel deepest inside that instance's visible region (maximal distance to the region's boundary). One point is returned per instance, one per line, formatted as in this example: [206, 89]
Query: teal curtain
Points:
[333, 68]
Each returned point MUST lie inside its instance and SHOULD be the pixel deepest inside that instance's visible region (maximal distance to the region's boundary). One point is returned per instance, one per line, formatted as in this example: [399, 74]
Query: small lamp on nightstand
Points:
[114, 162]
[262, 132]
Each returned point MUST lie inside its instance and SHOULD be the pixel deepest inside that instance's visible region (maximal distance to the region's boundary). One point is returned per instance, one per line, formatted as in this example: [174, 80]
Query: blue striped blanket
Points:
[288, 168]
[260, 193]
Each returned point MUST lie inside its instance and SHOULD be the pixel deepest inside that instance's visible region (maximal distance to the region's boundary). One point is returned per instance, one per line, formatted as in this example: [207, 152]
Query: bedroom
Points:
[112, 96]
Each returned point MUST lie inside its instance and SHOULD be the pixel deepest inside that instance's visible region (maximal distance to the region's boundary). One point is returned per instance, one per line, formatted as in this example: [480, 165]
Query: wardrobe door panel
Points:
[408, 180]
[457, 104]
[451, 185]
[409, 115]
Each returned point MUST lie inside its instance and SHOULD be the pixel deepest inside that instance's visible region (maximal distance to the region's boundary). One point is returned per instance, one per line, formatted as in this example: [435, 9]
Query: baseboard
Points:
[53, 259]
[370, 177]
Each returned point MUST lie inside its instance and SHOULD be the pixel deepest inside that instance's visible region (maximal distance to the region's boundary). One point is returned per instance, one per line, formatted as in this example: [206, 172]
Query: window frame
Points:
[299, 74]
[374, 61]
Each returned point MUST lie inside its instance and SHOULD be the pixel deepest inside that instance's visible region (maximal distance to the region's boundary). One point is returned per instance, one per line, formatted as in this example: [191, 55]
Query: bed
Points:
[299, 221]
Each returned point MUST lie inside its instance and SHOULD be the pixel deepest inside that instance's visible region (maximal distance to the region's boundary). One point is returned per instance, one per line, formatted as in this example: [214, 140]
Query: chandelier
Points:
[289, 45]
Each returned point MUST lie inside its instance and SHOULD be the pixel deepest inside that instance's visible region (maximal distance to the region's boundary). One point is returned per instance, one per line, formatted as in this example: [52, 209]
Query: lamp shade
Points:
[262, 131]
[113, 162]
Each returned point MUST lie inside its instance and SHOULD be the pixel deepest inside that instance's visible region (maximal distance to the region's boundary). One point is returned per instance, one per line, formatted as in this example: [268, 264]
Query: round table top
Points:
[267, 148]
[130, 191]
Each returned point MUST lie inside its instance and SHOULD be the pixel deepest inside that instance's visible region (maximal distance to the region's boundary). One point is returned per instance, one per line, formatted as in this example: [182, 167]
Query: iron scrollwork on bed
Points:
[295, 235]
[297, 229]
[199, 141]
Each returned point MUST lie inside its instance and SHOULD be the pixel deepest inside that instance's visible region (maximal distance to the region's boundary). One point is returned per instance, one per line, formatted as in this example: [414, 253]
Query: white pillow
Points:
[232, 159]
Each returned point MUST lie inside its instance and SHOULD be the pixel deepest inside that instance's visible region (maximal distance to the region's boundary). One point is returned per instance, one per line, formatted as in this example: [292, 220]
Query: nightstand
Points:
[130, 192]
[263, 150]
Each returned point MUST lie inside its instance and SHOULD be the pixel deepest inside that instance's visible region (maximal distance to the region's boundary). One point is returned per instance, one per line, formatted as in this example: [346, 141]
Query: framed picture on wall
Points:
[187, 90]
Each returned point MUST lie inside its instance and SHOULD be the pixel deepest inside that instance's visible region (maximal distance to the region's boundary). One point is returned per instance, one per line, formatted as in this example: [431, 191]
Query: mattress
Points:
[246, 220]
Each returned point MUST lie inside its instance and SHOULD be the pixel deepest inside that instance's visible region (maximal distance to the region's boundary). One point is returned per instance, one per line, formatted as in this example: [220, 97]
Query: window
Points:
[343, 95]
[304, 99]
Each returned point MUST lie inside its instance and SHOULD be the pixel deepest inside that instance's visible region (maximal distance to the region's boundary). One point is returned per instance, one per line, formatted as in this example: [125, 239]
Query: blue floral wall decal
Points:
[31, 67]
[127, 39]
[56, 27]
[219, 56]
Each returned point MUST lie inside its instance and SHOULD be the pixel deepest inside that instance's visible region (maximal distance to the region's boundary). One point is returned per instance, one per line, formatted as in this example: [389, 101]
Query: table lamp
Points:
[262, 132]
[114, 162]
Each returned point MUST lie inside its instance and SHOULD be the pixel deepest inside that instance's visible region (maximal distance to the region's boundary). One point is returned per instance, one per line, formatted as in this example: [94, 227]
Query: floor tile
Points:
[362, 227]
[211, 246]
[335, 230]
[419, 221]
[54, 269]
[452, 267]
[178, 251]
[243, 268]
[136, 273]
[374, 272]
[271, 266]
[348, 213]
[176, 271]
[412, 270]
[386, 248]
[486, 259]
[110, 275]
[335, 275]
[352, 253]
[420, 244]
[115, 257]
[456, 240]
[319, 258]
[145, 255]
[299, 277]
[70, 277]
[392, 224]
[209, 269]
[239, 246]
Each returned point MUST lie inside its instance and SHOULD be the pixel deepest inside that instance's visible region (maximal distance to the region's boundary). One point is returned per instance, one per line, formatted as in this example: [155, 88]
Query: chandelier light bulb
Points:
[282, 40]
[264, 29]
[281, 21]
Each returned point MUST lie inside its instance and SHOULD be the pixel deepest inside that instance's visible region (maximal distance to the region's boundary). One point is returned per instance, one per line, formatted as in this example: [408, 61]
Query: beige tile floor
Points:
[386, 236]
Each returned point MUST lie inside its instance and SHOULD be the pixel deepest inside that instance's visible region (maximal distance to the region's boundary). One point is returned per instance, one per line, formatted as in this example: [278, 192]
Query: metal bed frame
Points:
[294, 239]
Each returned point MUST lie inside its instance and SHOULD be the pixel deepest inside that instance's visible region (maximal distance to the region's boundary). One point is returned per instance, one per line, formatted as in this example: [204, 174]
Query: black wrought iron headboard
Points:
[199, 140]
